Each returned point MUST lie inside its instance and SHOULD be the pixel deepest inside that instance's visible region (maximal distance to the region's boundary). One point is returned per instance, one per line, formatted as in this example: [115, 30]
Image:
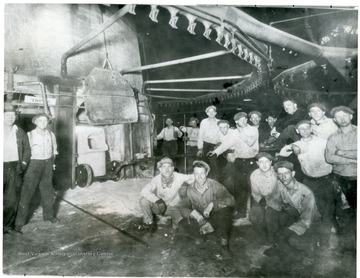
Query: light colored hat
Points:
[41, 115]
[255, 112]
[341, 108]
[302, 123]
[264, 154]
[206, 166]
[210, 107]
[284, 164]
[163, 161]
[240, 115]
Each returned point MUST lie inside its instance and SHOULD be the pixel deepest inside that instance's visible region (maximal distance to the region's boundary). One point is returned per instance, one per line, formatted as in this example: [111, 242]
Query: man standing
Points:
[169, 134]
[255, 119]
[321, 125]
[295, 223]
[310, 151]
[265, 194]
[40, 172]
[208, 136]
[16, 158]
[191, 138]
[245, 141]
[160, 196]
[211, 201]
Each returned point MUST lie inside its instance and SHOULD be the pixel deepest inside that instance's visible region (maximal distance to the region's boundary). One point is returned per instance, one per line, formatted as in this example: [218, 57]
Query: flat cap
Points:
[302, 122]
[254, 112]
[264, 154]
[240, 115]
[41, 115]
[223, 122]
[284, 164]
[341, 108]
[206, 166]
[192, 119]
[318, 105]
[168, 120]
[210, 107]
[163, 161]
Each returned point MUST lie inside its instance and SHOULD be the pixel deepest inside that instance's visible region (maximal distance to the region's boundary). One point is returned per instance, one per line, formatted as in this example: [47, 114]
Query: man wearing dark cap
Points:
[160, 196]
[297, 220]
[321, 125]
[40, 172]
[246, 145]
[310, 151]
[255, 119]
[265, 194]
[16, 159]
[210, 204]
[208, 136]
[169, 134]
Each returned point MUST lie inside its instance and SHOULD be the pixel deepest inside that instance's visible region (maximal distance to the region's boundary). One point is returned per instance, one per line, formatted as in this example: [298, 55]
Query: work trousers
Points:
[39, 174]
[323, 190]
[213, 161]
[348, 186]
[148, 209]
[169, 148]
[12, 182]
[190, 159]
[243, 169]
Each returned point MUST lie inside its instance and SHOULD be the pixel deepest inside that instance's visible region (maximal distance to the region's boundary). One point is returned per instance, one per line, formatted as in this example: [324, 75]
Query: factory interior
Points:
[110, 75]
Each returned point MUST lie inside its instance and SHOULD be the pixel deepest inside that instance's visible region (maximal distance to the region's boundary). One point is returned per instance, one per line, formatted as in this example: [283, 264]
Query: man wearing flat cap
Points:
[321, 125]
[207, 139]
[210, 204]
[16, 159]
[245, 142]
[40, 172]
[255, 119]
[310, 151]
[161, 197]
[265, 194]
[297, 221]
[170, 135]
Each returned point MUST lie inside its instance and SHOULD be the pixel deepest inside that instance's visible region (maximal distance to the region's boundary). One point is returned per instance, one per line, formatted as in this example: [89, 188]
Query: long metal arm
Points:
[200, 79]
[91, 36]
[177, 61]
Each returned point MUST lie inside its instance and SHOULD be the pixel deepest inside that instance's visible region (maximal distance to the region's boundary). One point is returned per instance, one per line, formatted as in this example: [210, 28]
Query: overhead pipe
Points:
[123, 11]
[200, 79]
[266, 33]
[186, 90]
[177, 61]
[43, 93]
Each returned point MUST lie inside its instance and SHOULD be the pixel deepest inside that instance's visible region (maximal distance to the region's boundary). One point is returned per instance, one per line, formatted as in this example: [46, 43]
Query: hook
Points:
[174, 18]
[132, 9]
[192, 23]
[208, 30]
[154, 13]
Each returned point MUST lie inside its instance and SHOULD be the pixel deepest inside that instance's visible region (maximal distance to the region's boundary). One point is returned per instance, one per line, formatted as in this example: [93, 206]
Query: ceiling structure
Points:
[241, 57]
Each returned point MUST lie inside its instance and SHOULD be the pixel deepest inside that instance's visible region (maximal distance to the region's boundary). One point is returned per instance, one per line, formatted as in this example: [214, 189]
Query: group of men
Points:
[28, 165]
[289, 211]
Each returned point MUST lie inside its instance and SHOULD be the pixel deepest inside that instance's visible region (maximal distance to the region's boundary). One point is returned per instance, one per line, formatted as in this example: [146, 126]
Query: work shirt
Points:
[312, 157]
[193, 134]
[303, 200]
[43, 144]
[324, 128]
[208, 132]
[345, 142]
[169, 133]
[154, 190]
[293, 119]
[214, 192]
[11, 152]
[265, 185]
[243, 140]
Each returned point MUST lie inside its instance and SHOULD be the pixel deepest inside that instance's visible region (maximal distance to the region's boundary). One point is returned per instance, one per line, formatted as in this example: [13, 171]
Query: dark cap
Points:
[8, 107]
[341, 108]
[223, 122]
[255, 112]
[210, 107]
[284, 164]
[41, 115]
[240, 115]
[192, 119]
[318, 105]
[163, 161]
[293, 100]
[264, 154]
[206, 166]
[302, 122]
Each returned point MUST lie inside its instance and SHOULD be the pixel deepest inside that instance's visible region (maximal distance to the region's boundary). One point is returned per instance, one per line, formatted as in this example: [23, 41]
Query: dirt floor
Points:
[101, 236]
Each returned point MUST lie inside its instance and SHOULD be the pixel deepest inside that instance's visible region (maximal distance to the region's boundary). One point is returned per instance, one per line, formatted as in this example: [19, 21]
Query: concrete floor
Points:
[83, 245]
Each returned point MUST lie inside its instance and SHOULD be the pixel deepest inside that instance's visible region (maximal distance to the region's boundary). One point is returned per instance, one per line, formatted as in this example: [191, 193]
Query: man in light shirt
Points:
[207, 139]
[16, 159]
[170, 135]
[245, 141]
[40, 172]
[161, 197]
[321, 125]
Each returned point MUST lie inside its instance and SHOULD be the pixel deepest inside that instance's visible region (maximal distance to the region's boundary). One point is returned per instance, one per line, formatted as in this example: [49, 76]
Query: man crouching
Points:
[209, 203]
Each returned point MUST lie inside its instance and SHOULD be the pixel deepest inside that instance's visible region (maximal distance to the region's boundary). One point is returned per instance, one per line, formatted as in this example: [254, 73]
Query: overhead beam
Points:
[200, 79]
[186, 90]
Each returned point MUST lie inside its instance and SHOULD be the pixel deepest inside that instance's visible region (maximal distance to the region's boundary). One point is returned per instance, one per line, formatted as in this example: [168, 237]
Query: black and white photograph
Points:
[180, 139]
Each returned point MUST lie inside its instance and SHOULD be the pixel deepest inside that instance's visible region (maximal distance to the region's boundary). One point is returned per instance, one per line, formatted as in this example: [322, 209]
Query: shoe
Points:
[227, 254]
[150, 227]
[54, 220]
[242, 222]
[16, 231]
[272, 251]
